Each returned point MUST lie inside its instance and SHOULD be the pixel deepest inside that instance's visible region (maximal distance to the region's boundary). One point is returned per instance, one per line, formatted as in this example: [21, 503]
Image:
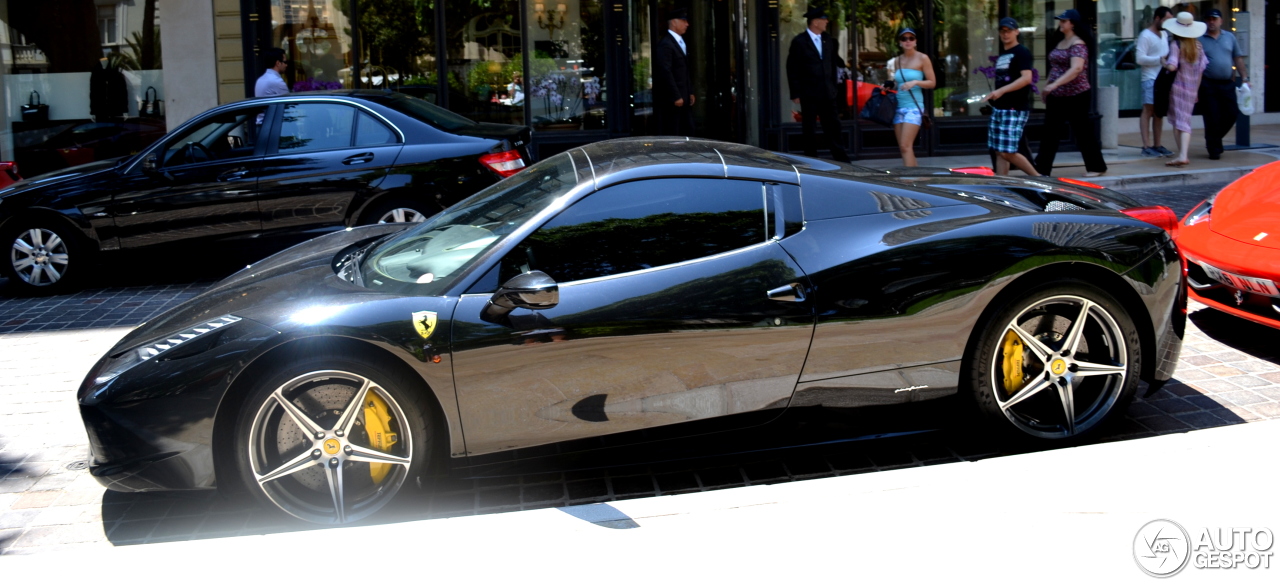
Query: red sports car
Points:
[1232, 245]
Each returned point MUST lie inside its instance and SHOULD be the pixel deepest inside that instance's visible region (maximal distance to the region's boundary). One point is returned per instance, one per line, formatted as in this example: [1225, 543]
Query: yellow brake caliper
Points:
[1012, 363]
[377, 422]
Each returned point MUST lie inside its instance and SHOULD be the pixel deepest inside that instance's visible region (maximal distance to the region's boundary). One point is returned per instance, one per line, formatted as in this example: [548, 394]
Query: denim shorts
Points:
[907, 115]
[1148, 92]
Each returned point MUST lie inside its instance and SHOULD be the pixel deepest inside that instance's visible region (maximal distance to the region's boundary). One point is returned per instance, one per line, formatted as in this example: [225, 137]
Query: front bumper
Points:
[151, 428]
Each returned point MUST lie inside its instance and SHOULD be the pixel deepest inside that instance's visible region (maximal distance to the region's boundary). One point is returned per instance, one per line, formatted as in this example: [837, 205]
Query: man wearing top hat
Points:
[672, 89]
[1217, 88]
[811, 73]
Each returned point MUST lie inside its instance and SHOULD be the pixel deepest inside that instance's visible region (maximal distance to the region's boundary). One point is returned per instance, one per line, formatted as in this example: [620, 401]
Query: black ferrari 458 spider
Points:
[633, 286]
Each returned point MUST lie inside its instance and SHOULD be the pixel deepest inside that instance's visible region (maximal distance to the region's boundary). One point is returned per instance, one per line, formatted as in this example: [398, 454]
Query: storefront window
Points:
[565, 43]
[966, 49]
[315, 34]
[642, 21]
[88, 89]
[398, 48]
[482, 40]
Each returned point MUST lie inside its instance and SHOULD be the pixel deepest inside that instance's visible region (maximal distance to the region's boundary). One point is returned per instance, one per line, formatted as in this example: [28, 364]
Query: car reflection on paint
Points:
[639, 289]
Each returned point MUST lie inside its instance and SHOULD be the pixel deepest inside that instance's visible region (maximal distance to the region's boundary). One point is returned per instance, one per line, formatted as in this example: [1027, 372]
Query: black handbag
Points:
[150, 104]
[33, 110]
[881, 107]
[1161, 91]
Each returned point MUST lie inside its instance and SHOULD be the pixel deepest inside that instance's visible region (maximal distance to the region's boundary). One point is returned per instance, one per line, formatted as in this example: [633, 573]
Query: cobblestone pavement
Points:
[1229, 374]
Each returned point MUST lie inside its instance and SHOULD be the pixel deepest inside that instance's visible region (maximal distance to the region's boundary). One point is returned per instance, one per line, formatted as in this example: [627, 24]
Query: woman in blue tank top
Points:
[913, 74]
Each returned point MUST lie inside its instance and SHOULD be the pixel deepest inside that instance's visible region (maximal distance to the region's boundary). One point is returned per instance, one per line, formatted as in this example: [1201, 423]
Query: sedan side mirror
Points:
[533, 290]
[151, 163]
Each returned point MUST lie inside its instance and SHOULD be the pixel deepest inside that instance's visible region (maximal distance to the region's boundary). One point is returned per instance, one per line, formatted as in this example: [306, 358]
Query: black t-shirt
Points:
[1009, 67]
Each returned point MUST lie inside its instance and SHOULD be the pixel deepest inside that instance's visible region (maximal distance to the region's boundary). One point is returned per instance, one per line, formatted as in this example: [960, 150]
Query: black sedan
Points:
[258, 175]
[639, 289]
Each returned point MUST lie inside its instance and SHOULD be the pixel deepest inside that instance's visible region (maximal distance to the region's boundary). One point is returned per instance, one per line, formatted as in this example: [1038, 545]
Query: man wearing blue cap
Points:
[1010, 101]
[1217, 94]
[811, 73]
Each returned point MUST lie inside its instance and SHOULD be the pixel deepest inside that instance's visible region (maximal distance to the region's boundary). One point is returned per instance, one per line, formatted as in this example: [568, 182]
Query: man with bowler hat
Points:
[811, 73]
[672, 89]
[1217, 88]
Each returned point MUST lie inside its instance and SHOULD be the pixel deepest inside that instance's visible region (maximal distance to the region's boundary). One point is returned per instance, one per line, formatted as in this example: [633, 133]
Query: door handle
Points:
[792, 292]
[359, 158]
[233, 174]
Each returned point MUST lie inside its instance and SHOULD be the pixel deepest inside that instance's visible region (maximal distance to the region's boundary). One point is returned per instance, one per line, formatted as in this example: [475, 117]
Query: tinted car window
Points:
[644, 224]
[316, 126]
[371, 132]
[426, 112]
[225, 136]
[426, 259]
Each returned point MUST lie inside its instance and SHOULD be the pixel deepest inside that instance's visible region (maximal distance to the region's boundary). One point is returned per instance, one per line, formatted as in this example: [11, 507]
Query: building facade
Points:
[577, 71]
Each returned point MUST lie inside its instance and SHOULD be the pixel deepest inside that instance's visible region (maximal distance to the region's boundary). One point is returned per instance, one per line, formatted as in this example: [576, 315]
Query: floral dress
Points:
[1186, 85]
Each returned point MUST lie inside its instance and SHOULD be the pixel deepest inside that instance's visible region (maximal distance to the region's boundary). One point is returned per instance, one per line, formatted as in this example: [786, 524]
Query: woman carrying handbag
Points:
[1187, 59]
[1068, 97]
[912, 74]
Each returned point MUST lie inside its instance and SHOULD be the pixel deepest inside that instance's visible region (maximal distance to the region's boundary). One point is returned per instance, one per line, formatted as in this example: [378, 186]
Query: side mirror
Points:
[533, 290]
[151, 163]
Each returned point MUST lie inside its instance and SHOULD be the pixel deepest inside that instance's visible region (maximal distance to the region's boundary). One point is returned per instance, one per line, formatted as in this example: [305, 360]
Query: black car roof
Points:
[624, 159]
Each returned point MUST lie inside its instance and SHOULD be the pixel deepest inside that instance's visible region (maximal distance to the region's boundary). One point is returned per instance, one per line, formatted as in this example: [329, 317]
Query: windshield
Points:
[426, 259]
[427, 112]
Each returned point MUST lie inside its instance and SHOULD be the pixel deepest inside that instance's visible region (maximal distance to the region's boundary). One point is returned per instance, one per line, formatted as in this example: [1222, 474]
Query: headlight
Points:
[131, 357]
[1201, 212]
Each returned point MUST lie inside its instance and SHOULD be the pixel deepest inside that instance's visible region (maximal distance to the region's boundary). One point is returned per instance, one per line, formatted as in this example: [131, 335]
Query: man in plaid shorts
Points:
[1011, 101]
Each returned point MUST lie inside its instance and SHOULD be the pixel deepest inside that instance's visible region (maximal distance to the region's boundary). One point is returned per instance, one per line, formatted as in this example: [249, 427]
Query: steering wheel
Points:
[189, 152]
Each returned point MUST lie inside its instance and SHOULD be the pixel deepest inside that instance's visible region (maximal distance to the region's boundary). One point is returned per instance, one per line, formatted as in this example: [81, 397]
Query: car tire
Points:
[312, 461]
[1038, 378]
[400, 211]
[44, 255]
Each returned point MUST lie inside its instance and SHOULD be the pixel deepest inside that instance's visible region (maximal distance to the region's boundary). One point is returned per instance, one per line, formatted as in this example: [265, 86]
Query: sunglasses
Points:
[907, 38]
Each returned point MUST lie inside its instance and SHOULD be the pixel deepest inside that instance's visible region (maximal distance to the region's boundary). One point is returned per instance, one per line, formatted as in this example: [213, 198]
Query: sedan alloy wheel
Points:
[402, 215]
[39, 257]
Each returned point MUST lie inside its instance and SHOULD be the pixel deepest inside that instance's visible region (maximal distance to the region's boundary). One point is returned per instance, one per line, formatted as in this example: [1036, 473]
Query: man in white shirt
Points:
[811, 76]
[1152, 47]
[271, 82]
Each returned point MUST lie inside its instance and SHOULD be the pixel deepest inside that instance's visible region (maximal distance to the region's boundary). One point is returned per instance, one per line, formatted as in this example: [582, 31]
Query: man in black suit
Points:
[672, 88]
[811, 72]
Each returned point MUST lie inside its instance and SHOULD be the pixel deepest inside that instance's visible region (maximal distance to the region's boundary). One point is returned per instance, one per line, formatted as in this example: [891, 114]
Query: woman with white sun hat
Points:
[1187, 60]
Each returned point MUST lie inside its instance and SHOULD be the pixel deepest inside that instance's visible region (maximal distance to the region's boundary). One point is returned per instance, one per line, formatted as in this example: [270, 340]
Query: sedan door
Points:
[676, 304]
[199, 185]
[326, 157]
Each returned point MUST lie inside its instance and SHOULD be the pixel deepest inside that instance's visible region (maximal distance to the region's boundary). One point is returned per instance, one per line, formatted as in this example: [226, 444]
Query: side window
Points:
[316, 126]
[644, 224]
[227, 136]
[371, 132]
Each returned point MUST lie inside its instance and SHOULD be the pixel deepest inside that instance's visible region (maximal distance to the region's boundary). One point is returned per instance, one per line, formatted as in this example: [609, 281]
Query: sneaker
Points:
[1151, 153]
[1163, 151]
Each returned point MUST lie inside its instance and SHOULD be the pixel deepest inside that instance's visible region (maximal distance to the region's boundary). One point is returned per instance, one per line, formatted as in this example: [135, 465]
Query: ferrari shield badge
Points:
[425, 323]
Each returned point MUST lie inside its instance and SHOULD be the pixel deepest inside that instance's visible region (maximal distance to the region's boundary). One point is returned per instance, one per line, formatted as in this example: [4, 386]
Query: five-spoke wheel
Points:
[1058, 362]
[402, 215]
[331, 445]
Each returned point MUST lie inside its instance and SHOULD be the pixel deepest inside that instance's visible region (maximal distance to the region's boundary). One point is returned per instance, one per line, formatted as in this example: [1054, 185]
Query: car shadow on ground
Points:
[819, 444]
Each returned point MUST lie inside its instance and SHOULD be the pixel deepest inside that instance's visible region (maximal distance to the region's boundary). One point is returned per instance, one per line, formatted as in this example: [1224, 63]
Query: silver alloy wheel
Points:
[402, 215]
[1074, 367]
[311, 455]
[39, 257]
